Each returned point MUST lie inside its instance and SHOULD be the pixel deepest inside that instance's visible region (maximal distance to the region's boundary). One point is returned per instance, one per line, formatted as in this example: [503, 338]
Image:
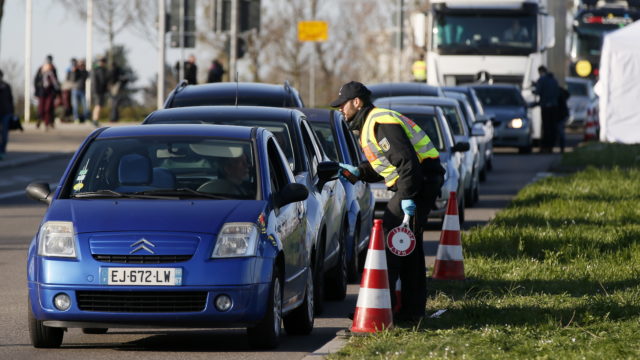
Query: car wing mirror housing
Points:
[291, 193]
[327, 171]
[462, 146]
[39, 192]
[477, 130]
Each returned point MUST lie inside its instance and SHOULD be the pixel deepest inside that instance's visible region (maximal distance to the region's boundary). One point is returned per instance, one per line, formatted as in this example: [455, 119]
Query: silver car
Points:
[581, 99]
[432, 120]
[470, 171]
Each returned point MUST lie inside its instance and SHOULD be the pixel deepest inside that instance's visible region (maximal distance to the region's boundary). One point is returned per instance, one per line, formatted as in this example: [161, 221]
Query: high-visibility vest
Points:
[374, 151]
[419, 69]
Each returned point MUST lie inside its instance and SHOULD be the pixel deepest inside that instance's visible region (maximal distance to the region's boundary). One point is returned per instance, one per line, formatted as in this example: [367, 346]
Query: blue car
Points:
[172, 226]
[340, 145]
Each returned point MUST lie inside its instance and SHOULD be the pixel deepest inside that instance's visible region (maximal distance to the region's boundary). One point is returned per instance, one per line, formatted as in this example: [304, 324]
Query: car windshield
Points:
[484, 33]
[500, 96]
[166, 166]
[326, 139]
[577, 89]
[431, 126]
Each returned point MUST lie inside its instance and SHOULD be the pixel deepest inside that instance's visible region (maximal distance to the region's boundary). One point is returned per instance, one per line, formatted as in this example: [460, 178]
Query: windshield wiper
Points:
[112, 194]
[183, 191]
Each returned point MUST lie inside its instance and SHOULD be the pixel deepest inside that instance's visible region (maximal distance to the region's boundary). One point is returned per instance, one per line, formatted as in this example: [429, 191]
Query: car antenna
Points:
[237, 89]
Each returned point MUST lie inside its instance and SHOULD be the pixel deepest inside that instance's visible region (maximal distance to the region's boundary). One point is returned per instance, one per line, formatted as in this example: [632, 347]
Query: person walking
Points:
[50, 89]
[100, 82]
[6, 113]
[215, 72]
[548, 90]
[401, 154]
[78, 78]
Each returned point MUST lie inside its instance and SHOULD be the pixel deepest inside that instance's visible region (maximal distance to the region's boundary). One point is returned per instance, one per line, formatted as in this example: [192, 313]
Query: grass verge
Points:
[555, 275]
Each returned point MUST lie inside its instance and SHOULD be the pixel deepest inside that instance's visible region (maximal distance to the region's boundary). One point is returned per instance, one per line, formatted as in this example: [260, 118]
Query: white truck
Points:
[497, 41]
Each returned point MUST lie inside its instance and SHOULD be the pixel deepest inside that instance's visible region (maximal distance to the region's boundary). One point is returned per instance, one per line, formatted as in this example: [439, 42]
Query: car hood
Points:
[504, 113]
[196, 216]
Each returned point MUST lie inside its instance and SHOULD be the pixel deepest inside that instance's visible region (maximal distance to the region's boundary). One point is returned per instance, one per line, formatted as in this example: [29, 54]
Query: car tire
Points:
[490, 163]
[338, 277]
[43, 336]
[318, 281]
[300, 320]
[95, 330]
[525, 149]
[354, 264]
[483, 172]
[266, 334]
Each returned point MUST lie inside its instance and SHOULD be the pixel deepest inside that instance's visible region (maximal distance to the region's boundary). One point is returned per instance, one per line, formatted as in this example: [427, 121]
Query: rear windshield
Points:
[153, 164]
[500, 97]
[431, 126]
[272, 101]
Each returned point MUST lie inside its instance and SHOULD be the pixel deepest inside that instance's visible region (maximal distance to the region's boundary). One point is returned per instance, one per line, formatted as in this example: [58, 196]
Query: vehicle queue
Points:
[225, 209]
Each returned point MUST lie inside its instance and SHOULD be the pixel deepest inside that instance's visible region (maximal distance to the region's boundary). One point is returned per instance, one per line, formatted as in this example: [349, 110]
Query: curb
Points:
[331, 347]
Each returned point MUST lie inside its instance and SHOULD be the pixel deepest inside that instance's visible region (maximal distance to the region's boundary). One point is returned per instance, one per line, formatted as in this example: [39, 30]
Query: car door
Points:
[291, 225]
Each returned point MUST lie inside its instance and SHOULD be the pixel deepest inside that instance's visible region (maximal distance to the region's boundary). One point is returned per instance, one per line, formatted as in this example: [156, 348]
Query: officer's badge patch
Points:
[384, 144]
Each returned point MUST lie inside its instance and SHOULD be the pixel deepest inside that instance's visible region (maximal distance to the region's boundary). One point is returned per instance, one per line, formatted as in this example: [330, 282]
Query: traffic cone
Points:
[373, 310]
[590, 126]
[398, 294]
[449, 262]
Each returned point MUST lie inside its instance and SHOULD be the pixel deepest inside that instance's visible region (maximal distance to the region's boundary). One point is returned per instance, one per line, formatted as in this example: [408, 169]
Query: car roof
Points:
[403, 88]
[317, 115]
[578, 80]
[189, 94]
[228, 112]
[494, 86]
[417, 100]
[414, 109]
[226, 131]
[455, 95]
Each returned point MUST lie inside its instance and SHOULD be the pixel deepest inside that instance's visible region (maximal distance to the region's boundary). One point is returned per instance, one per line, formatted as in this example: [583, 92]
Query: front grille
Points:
[142, 259]
[142, 301]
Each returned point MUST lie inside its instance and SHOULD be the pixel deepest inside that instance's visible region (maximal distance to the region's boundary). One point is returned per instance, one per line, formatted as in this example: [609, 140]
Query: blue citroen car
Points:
[340, 145]
[173, 226]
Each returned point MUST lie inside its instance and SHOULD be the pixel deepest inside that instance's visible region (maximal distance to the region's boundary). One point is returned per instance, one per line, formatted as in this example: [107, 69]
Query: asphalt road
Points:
[19, 218]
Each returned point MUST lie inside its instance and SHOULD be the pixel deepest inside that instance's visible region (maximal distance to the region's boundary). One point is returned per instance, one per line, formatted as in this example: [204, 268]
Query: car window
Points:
[577, 89]
[352, 145]
[499, 97]
[277, 173]
[149, 163]
[243, 100]
[326, 140]
[454, 119]
[431, 126]
[312, 152]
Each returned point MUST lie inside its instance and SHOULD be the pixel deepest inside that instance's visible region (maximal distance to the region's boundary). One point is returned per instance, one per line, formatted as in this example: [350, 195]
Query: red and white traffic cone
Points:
[449, 262]
[590, 126]
[373, 310]
[398, 293]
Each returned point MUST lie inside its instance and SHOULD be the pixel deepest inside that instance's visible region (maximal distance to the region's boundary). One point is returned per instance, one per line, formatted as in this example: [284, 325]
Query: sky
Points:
[62, 34]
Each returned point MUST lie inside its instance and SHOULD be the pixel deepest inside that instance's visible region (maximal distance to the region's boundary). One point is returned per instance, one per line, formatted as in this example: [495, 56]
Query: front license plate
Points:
[382, 194]
[141, 276]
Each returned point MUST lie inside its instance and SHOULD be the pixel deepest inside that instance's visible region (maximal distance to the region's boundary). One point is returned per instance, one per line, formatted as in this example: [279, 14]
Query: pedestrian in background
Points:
[401, 154]
[50, 89]
[64, 100]
[78, 78]
[190, 70]
[548, 91]
[37, 82]
[215, 72]
[6, 113]
[100, 88]
[118, 80]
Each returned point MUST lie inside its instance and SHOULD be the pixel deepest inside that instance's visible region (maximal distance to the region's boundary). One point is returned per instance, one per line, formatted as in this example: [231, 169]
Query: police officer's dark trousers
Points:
[410, 268]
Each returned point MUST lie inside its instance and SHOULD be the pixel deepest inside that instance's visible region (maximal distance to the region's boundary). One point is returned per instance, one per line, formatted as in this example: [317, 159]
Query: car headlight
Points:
[236, 239]
[516, 123]
[57, 238]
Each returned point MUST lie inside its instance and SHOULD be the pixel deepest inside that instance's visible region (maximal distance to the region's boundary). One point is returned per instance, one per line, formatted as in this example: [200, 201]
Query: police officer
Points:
[399, 153]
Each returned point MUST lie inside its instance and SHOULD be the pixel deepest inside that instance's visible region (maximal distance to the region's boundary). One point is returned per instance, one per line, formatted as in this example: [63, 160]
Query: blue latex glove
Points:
[352, 169]
[408, 206]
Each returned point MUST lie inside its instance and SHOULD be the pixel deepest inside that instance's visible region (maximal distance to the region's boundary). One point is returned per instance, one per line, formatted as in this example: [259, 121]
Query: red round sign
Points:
[401, 241]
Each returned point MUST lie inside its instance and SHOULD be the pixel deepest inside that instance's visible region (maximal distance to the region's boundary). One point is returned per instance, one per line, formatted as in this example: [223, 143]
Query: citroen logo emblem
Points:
[142, 245]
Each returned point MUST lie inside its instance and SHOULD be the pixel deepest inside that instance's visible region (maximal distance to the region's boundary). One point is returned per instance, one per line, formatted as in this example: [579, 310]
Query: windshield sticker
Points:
[78, 186]
[80, 177]
[83, 172]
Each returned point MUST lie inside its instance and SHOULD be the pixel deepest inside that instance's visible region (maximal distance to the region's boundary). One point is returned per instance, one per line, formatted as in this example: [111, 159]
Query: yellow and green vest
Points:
[375, 152]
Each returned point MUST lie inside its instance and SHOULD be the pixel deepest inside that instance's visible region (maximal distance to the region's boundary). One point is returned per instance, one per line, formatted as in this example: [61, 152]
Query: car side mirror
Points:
[484, 118]
[39, 192]
[327, 171]
[477, 130]
[462, 146]
[291, 193]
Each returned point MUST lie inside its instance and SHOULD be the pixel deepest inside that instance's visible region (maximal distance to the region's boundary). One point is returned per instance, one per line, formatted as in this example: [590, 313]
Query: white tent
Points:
[619, 86]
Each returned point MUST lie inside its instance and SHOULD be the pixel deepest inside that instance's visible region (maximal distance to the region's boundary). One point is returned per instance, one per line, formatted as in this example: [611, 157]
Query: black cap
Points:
[350, 90]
